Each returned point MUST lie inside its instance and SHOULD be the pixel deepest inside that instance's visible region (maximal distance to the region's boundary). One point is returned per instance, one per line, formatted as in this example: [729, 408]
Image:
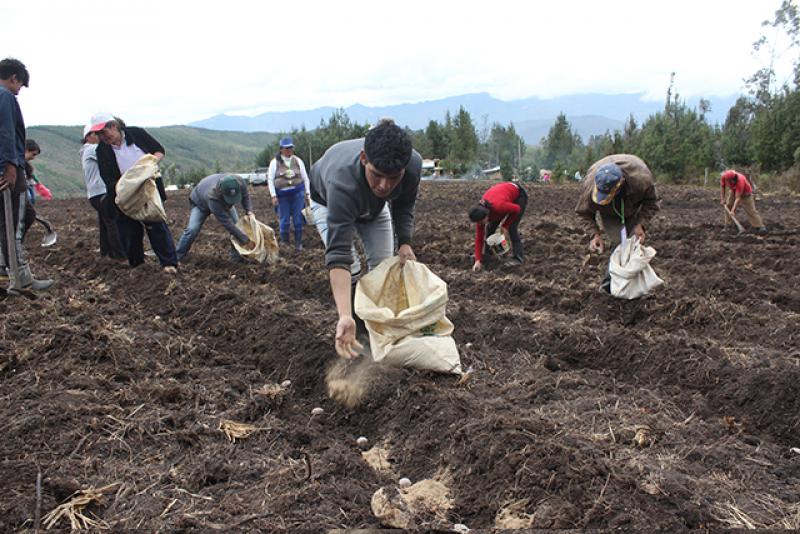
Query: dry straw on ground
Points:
[73, 510]
[235, 430]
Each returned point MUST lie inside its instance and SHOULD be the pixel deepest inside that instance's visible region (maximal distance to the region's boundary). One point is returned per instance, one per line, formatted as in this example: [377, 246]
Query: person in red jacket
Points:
[502, 203]
[741, 193]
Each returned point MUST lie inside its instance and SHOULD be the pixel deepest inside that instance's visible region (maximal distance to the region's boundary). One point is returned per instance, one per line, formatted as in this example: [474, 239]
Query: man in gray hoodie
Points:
[367, 187]
[217, 194]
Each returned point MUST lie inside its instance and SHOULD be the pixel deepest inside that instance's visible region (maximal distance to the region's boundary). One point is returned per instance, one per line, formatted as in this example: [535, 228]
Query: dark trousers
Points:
[131, 234]
[30, 218]
[513, 230]
[110, 243]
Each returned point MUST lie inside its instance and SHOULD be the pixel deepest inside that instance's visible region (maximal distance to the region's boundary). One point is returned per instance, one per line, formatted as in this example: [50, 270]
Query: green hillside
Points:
[189, 150]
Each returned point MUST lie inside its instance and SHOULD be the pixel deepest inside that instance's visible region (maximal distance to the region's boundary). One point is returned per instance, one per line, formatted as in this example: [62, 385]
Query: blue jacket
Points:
[12, 131]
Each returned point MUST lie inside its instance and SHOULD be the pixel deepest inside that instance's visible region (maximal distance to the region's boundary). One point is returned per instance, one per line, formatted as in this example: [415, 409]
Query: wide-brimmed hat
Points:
[286, 142]
[607, 181]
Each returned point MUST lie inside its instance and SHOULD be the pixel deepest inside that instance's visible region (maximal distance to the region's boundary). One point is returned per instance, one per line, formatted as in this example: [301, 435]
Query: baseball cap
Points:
[286, 142]
[86, 130]
[607, 181]
[99, 120]
[231, 189]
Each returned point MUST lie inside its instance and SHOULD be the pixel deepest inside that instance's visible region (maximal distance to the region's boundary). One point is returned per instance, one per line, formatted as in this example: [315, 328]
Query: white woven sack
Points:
[632, 276]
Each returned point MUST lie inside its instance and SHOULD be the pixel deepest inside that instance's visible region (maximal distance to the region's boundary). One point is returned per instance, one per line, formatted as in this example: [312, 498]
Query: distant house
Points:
[430, 167]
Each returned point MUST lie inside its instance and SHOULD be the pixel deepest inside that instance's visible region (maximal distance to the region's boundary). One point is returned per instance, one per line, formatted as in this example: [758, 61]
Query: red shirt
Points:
[500, 198]
[737, 182]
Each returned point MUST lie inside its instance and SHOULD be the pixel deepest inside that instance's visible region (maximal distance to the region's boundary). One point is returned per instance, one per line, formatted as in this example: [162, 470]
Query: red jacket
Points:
[500, 198]
[737, 182]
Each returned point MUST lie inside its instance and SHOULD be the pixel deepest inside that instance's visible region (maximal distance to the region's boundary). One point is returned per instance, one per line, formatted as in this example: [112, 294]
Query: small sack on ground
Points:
[403, 308]
[632, 276]
[266, 249]
[137, 193]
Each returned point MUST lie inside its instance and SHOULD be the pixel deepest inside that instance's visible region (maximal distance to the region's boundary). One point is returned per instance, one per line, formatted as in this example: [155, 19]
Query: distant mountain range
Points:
[589, 114]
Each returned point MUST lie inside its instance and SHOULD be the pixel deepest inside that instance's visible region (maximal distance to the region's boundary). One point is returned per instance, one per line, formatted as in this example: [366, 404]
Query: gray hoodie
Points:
[208, 197]
[338, 182]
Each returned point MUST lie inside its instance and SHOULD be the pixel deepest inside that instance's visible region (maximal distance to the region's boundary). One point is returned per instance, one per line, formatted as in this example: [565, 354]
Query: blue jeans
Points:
[290, 211]
[197, 218]
[376, 236]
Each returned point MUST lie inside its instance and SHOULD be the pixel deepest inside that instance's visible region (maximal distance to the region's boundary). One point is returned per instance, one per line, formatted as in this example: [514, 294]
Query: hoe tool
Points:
[730, 214]
[14, 277]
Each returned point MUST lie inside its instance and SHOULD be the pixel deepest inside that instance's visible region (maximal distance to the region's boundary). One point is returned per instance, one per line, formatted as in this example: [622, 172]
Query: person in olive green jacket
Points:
[618, 192]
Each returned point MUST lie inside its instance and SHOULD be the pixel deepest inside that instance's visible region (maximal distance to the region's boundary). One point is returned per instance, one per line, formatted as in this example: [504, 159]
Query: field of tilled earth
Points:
[144, 400]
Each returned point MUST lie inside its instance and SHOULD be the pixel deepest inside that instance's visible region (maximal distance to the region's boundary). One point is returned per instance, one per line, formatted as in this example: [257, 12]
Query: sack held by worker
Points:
[632, 276]
[137, 193]
[403, 307]
[266, 246]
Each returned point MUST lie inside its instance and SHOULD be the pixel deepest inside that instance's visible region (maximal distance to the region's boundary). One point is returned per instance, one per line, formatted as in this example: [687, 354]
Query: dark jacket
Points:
[637, 200]
[12, 133]
[109, 170]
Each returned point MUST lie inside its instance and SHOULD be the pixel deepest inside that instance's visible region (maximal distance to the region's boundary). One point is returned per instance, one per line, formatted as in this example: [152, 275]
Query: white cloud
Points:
[156, 63]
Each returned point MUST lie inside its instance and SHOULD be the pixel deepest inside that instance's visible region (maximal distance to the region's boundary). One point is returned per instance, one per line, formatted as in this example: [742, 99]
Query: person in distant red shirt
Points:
[503, 203]
[740, 193]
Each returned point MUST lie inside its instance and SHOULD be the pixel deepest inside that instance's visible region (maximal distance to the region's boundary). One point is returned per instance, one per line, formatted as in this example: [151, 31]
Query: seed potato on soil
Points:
[674, 411]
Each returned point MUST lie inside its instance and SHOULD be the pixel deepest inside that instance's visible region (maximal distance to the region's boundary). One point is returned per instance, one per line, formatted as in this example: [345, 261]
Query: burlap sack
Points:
[137, 194]
[266, 249]
[404, 312]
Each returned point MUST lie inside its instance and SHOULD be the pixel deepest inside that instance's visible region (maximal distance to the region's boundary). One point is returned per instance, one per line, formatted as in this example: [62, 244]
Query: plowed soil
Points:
[676, 411]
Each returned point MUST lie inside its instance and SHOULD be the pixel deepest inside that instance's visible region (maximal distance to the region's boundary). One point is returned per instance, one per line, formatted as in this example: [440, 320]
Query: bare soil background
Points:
[675, 411]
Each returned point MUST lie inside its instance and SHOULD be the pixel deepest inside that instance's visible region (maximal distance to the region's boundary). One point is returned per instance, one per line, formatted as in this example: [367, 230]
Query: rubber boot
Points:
[27, 281]
[298, 240]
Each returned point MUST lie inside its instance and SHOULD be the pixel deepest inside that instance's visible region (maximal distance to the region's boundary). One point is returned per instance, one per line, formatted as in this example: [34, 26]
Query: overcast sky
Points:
[166, 62]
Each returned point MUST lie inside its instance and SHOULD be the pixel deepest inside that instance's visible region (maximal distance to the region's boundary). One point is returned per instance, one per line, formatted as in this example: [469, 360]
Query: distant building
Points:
[430, 167]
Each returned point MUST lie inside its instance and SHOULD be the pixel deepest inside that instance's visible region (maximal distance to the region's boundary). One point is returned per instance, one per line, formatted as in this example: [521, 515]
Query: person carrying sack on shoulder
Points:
[290, 190]
[502, 203]
[740, 192]
[620, 190]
